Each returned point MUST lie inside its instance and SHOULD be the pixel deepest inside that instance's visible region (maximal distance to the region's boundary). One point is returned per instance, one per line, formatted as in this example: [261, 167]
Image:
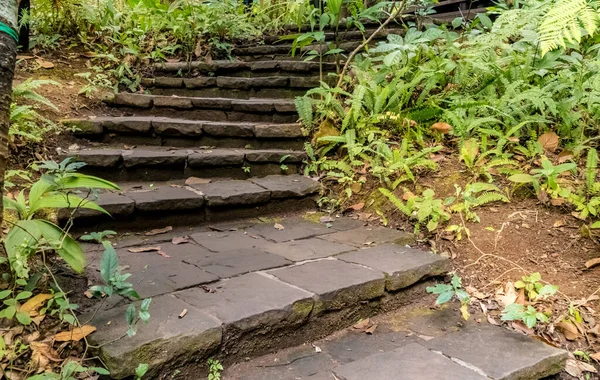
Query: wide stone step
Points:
[475, 352]
[198, 200]
[283, 67]
[245, 295]
[163, 131]
[150, 163]
[283, 51]
[345, 35]
[235, 86]
[199, 108]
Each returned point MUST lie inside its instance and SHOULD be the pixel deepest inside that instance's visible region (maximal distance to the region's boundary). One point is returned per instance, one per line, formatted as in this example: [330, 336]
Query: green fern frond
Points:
[591, 169]
[304, 106]
[563, 23]
[396, 201]
[489, 197]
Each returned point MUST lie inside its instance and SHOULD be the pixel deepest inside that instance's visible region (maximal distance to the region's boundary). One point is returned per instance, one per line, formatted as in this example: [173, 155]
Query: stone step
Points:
[475, 352]
[163, 131]
[245, 295]
[177, 203]
[283, 51]
[283, 67]
[151, 163]
[345, 35]
[198, 108]
[235, 86]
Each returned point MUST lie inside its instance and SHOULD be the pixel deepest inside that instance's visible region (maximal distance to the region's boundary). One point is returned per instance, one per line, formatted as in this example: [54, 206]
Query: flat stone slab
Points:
[250, 301]
[275, 155]
[114, 204]
[337, 284]
[166, 199]
[293, 229]
[158, 157]
[411, 362]
[99, 157]
[403, 266]
[240, 261]
[233, 193]
[165, 339]
[278, 130]
[177, 127]
[501, 354]
[290, 186]
[216, 157]
[307, 249]
[227, 241]
[239, 130]
[364, 236]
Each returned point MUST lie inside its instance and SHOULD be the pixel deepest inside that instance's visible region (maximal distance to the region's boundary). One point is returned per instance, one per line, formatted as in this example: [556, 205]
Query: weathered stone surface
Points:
[99, 157]
[229, 129]
[253, 105]
[154, 274]
[84, 127]
[132, 100]
[139, 157]
[164, 340]
[166, 199]
[294, 229]
[177, 127]
[275, 156]
[404, 266]
[233, 193]
[501, 354]
[132, 124]
[307, 249]
[372, 235]
[212, 103]
[305, 82]
[226, 241]
[263, 65]
[168, 82]
[216, 157]
[240, 261]
[287, 131]
[274, 81]
[336, 283]
[411, 362]
[290, 186]
[241, 302]
[284, 106]
[200, 82]
[172, 102]
[116, 205]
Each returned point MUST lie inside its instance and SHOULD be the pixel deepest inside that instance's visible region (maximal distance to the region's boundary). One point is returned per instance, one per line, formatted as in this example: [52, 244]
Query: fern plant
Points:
[426, 210]
[564, 23]
[474, 195]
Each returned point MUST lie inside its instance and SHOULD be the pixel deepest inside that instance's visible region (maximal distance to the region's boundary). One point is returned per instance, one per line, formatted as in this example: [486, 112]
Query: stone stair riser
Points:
[284, 67]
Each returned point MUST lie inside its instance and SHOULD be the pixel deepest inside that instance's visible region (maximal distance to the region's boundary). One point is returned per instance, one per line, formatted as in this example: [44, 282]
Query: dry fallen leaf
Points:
[492, 321]
[558, 223]
[564, 156]
[362, 324]
[45, 64]
[77, 334]
[442, 127]
[279, 227]
[357, 207]
[596, 356]
[371, 329]
[549, 141]
[159, 231]
[509, 297]
[163, 254]
[144, 249]
[196, 181]
[592, 262]
[520, 326]
[34, 303]
[180, 240]
[521, 297]
[568, 329]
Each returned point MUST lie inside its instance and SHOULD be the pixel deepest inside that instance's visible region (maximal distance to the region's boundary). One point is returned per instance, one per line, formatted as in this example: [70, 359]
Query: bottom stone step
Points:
[202, 200]
[245, 295]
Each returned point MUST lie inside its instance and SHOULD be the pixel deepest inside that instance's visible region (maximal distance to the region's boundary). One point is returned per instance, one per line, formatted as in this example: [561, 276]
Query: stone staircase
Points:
[211, 151]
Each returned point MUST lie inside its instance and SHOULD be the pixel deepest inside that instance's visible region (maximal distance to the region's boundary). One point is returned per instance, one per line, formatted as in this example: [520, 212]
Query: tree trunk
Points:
[8, 55]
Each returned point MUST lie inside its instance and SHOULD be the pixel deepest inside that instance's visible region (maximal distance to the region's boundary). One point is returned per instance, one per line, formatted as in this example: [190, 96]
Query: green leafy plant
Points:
[72, 370]
[528, 315]
[140, 371]
[214, 369]
[446, 292]
[54, 190]
[474, 195]
[534, 288]
[425, 209]
[26, 123]
[546, 177]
